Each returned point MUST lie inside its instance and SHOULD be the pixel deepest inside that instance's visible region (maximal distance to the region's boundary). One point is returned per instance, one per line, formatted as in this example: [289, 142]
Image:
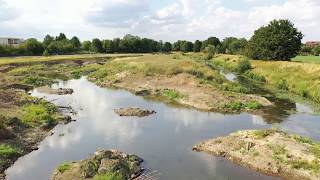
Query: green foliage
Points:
[253, 105]
[109, 176]
[282, 84]
[64, 167]
[255, 76]
[301, 139]
[197, 46]
[313, 166]
[210, 50]
[315, 149]
[37, 81]
[316, 51]
[96, 46]
[32, 47]
[236, 105]
[39, 114]
[172, 95]
[260, 134]
[234, 87]
[243, 65]
[8, 151]
[279, 40]
[167, 47]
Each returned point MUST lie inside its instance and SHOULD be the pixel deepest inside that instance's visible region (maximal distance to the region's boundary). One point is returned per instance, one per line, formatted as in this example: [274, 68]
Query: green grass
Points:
[39, 114]
[260, 134]
[301, 139]
[313, 166]
[8, 151]
[172, 95]
[307, 59]
[237, 105]
[109, 176]
[64, 167]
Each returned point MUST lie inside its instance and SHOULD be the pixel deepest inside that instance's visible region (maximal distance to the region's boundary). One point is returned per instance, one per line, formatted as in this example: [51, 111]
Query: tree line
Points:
[279, 40]
[128, 44]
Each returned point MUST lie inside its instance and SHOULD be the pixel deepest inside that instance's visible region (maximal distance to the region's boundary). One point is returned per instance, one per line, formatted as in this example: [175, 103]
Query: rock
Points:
[143, 92]
[62, 91]
[134, 112]
[102, 162]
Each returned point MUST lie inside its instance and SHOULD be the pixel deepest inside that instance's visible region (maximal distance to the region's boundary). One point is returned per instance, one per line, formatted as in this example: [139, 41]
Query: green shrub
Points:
[313, 166]
[109, 176]
[301, 139]
[234, 87]
[260, 134]
[315, 149]
[64, 167]
[243, 66]
[7, 151]
[196, 72]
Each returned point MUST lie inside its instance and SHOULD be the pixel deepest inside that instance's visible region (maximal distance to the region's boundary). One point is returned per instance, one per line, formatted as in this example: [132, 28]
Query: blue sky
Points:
[167, 20]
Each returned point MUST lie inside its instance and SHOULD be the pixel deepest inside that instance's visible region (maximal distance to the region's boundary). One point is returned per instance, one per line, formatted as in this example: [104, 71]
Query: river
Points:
[164, 140]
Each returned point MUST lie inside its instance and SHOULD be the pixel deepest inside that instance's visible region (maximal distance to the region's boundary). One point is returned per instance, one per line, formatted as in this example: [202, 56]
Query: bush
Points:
[243, 66]
[64, 167]
[236, 105]
[38, 81]
[253, 105]
[172, 94]
[255, 76]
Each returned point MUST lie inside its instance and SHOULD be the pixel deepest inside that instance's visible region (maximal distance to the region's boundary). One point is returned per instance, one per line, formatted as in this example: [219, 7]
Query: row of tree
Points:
[128, 44]
[279, 40]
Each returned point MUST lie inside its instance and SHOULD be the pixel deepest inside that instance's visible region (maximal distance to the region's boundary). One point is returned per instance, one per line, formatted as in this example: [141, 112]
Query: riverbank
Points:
[271, 152]
[300, 78]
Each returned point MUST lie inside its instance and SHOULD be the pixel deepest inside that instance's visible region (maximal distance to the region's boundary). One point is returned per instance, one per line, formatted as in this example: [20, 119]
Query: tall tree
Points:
[197, 46]
[61, 37]
[75, 43]
[167, 47]
[86, 45]
[279, 40]
[32, 47]
[47, 40]
[96, 46]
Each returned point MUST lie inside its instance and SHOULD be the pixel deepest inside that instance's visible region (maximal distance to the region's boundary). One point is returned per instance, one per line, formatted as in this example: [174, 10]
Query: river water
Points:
[164, 140]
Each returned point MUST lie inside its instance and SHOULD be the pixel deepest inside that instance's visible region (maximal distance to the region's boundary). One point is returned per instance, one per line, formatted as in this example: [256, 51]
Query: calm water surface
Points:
[163, 140]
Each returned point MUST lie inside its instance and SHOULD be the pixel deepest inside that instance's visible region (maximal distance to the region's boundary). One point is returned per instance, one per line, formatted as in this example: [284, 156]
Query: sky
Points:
[167, 20]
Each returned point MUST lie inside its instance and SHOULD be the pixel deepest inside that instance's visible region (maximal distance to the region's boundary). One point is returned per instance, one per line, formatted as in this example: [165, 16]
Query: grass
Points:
[31, 59]
[238, 105]
[64, 167]
[260, 134]
[42, 113]
[109, 176]
[313, 166]
[307, 59]
[299, 78]
[8, 151]
[172, 95]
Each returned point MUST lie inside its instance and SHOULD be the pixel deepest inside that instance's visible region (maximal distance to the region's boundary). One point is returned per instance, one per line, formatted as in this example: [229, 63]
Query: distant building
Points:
[11, 41]
[313, 43]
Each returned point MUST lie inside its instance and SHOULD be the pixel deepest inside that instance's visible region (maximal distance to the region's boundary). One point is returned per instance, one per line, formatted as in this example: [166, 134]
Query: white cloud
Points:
[178, 19]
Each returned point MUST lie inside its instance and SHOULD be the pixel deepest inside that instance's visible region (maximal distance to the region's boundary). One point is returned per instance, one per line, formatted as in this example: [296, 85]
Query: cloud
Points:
[168, 20]
[6, 13]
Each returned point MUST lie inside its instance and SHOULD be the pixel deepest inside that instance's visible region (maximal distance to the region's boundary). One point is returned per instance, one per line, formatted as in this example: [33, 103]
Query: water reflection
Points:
[164, 139]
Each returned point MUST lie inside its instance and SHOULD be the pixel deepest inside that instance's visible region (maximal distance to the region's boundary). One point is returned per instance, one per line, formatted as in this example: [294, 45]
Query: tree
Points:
[210, 50]
[32, 47]
[210, 41]
[86, 45]
[61, 37]
[306, 50]
[186, 46]
[279, 40]
[316, 51]
[96, 46]
[167, 47]
[47, 40]
[237, 46]
[197, 46]
[177, 45]
[108, 46]
[75, 43]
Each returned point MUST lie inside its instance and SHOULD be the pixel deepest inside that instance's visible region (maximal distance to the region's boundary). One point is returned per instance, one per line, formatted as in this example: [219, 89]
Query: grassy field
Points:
[30, 59]
[307, 59]
[300, 78]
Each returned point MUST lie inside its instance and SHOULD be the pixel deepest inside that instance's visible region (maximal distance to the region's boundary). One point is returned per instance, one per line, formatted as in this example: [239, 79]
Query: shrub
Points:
[264, 133]
[253, 105]
[255, 76]
[236, 105]
[243, 66]
[234, 87]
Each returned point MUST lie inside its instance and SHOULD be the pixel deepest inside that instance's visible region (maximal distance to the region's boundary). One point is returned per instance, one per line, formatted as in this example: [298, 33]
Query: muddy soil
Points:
[133, 111]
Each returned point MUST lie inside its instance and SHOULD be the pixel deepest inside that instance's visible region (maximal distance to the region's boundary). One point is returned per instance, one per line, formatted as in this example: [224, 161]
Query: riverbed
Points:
[164, 140]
